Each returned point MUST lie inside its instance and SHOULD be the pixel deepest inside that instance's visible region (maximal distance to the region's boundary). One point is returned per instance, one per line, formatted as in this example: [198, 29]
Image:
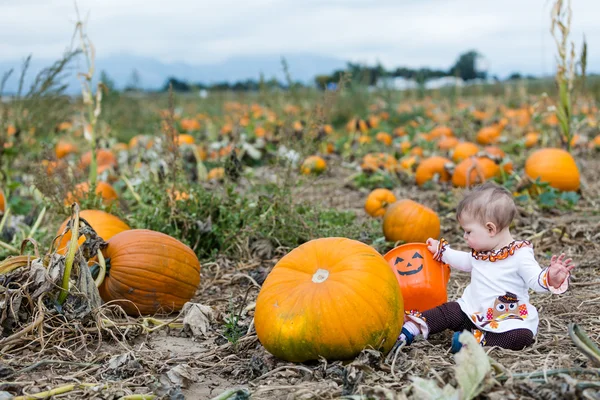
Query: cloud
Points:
[512, 34]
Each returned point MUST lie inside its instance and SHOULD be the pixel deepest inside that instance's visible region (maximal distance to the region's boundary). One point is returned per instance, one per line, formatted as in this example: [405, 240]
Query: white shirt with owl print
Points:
[497, 299]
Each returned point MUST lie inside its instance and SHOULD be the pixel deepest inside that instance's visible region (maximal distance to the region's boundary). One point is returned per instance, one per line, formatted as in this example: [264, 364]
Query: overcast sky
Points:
[513, 35]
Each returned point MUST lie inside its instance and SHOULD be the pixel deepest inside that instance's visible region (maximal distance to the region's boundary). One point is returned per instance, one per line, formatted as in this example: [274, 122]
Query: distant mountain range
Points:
[153, 73]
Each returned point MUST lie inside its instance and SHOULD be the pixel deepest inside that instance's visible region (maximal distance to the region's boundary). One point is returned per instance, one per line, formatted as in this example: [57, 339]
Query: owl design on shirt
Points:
[507, 307]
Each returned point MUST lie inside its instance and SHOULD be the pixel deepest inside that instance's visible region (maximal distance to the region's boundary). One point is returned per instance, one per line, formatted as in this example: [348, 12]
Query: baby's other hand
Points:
[432, 245]
[559, 270]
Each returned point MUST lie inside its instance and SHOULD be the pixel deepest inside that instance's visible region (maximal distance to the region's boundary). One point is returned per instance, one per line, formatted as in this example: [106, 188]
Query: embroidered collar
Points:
[500, 254]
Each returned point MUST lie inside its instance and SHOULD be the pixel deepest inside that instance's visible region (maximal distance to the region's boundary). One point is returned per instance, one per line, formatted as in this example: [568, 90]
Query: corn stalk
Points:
[92, 102]
[566, 68]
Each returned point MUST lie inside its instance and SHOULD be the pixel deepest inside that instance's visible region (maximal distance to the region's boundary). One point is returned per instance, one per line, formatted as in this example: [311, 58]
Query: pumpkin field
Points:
[266, 244]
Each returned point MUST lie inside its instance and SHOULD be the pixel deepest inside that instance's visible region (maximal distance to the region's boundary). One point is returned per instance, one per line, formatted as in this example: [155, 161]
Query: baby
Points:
[495, 305]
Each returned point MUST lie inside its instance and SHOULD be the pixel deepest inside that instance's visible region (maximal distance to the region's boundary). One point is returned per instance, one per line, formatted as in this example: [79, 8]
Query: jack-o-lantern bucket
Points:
[422, 279]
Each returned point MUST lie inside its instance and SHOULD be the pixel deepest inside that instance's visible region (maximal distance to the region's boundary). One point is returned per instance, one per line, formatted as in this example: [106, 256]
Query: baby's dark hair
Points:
[489, 202]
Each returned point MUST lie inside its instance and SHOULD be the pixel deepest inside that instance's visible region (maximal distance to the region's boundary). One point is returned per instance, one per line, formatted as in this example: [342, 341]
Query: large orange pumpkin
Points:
[555, 166]
[409, 221]
[431, 166]
[479, 170]
[154, 271]
[377, 202]
[331, 298]
[422, 280]
[106, 226]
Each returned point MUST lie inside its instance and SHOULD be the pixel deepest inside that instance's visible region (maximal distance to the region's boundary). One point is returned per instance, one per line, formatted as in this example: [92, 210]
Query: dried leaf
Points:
[428, 389]
[197, 318]
[472, 367]
[182, 375]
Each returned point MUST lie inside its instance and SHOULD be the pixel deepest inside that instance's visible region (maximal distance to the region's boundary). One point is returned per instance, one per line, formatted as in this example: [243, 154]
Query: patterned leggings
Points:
[450, 316]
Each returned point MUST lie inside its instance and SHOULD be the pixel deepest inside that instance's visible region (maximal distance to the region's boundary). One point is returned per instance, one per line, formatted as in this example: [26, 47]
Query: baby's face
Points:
[476, 234]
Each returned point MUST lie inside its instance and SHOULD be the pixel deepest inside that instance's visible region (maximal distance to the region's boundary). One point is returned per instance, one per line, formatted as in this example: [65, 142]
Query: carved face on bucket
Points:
[410, 266]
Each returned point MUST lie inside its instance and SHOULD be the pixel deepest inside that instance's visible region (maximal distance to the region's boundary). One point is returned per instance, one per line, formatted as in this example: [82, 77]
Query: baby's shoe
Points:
[456, 344]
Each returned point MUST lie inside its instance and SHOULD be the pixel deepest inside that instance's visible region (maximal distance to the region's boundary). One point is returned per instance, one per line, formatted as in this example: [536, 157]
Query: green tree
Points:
[466, 66]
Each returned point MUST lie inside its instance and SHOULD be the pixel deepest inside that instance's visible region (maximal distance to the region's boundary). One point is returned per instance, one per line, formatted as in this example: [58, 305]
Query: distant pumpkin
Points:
[378, 201]
[313, 165]
[464, 150]
[478, 171]
[554, 166]
[430, 167]
[408, 221]
[64, 148]
[105, 190]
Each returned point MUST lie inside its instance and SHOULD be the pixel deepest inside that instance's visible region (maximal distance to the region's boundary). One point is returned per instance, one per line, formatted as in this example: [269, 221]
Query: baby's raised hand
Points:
[432, 245]
[559, 270]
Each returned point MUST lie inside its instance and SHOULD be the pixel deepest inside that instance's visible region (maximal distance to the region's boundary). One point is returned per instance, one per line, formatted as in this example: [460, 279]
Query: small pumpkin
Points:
[331, 298]
[464, 150]
[185, 138]
[440, 131]
[64, 148]
[489, 134]
[430, 167]
[531, 139]
[409, 221]
[384, 138]
[216, 174]
[153, 271]
[106, 226]
[422, 280]
[105, 190]
[2, 202]
[478, 170]
[377, 202]
[313, 165]
[555, 166]
[104, 159]
[447, 143]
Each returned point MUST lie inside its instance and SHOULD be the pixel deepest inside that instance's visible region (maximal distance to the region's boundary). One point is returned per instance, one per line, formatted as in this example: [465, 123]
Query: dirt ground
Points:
[173, 364]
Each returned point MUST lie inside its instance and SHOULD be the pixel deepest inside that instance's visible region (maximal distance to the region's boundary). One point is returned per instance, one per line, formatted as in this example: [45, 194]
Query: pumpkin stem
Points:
[320, 276]
[70, 254]
[102, 273]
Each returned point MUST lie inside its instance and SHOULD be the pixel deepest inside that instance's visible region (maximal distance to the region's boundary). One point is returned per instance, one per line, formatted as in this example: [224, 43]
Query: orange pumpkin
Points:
[422, 280]
[105, 190]
[430, 167]
[64, 148]
[409, 221]
[377, 202]
[313, 165]
[184, 138]
[384, 138]
[330, 298]
[104, 158]
[216, 174]
[440, 131]
[106, 226]
[464, 150]
[155, 272]
[489, 134]
[479, 170]
[531, 139]
[555, 166]
[2, 202]
[447, 143]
